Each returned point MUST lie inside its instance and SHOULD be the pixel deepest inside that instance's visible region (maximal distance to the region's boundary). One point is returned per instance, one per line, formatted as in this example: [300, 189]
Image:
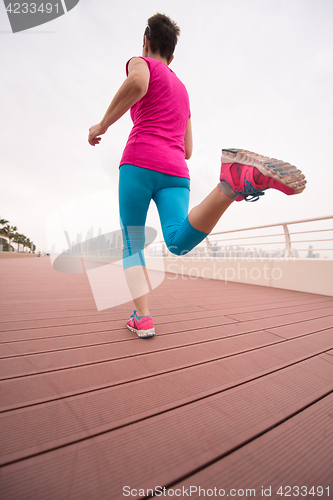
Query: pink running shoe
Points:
[249, 174]
[143, 327]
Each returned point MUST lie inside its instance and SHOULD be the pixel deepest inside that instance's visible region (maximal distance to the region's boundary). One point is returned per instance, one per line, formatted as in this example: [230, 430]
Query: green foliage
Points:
[11, 234]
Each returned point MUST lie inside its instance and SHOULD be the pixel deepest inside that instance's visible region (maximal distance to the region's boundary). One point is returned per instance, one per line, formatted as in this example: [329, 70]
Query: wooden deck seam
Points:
[263, 374]
[173, 348]
[93, 311]
[24, 355]
[106, 330]
[200, 342]
[99, 320]
[42, 327]
[193, 401]
[287, 313]
[242, 445]
[144, 354]
[235, 321]
[99, 316]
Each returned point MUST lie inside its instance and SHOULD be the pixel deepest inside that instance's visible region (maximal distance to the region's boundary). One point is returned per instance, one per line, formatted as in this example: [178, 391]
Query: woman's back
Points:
[159, 119]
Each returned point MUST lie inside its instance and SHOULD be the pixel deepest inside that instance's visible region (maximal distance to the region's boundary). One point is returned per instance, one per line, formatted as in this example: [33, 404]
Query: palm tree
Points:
[28, 243]
[3, 222]
[24, 242]
[18, 238]
[2, 233]
[9, 232]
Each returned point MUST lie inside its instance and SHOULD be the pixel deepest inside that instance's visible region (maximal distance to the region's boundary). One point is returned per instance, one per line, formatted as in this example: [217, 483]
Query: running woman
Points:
[153, 165]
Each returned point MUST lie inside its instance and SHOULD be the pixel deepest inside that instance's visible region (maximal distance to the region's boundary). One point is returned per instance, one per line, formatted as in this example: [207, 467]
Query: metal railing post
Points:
[207, 247]
[287, 239]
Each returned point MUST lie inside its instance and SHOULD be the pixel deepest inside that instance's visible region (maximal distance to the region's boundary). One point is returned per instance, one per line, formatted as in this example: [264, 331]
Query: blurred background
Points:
[259, 74]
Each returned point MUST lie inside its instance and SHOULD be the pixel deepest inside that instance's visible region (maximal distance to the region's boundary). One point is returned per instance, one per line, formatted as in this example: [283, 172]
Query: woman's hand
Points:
[94, 132]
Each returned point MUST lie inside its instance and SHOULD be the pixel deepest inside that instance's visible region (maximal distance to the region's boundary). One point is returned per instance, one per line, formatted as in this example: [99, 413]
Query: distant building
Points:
[311, 254]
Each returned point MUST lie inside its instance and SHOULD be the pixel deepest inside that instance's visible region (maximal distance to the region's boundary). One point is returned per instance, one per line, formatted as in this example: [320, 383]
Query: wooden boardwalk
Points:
[232, 395]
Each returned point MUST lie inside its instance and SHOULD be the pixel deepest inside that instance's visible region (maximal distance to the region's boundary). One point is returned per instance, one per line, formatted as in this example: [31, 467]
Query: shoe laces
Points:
[134, 315]
[250, 192]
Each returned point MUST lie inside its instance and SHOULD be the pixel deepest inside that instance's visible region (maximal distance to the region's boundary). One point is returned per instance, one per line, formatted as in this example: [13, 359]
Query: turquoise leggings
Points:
[137, 187]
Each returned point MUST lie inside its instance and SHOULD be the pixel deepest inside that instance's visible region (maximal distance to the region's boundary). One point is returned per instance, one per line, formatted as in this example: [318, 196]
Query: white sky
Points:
[259, 75]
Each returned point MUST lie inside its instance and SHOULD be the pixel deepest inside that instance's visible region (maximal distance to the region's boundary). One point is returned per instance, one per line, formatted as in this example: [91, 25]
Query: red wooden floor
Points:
[232, 397]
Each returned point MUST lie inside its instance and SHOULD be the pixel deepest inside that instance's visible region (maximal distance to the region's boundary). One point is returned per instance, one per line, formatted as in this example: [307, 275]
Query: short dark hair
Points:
[162, 34]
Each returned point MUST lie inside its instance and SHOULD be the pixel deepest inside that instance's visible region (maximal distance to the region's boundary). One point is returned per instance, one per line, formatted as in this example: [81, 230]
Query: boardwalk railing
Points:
[308, 238]
[296, 255]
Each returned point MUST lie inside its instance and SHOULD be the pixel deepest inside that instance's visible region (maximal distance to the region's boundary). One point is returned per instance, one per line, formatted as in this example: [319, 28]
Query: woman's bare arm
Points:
[132, 90]
[188, 140]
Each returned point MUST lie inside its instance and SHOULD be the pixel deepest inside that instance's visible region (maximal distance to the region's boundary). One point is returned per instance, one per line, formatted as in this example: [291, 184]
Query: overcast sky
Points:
[259, 75]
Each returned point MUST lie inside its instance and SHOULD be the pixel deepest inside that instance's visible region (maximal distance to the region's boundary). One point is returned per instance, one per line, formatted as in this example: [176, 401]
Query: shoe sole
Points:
[142, 333]
[281, 171]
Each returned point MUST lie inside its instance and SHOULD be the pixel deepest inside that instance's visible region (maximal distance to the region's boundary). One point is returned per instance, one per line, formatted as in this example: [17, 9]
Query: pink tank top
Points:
[159, 120]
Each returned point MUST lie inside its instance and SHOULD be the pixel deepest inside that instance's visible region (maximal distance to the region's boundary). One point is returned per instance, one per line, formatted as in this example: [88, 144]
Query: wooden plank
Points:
[114, 322]
[273, 322]
[193, 346]
[261, 305]
[33, 389]
[179, 324]
[121, 312]
[179, 312]
[200, 329]
[297, 453]
[163, 449]
[58, 356]
[165, 326]
[303, 327]
[35, 429]
[136, 353]
[326, 308]
[94, 407]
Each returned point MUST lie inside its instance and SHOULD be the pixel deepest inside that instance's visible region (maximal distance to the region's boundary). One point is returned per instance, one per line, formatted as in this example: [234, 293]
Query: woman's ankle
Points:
[141, 314]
